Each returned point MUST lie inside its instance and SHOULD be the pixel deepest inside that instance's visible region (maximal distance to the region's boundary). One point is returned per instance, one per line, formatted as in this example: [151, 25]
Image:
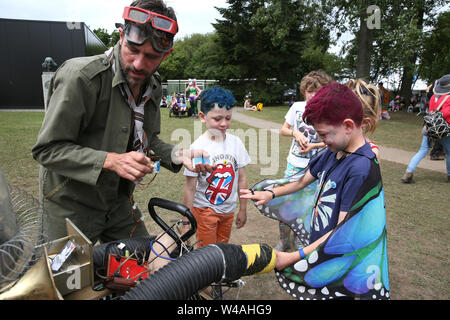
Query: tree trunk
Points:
[365, 42]
[407, 80]
[409, 68]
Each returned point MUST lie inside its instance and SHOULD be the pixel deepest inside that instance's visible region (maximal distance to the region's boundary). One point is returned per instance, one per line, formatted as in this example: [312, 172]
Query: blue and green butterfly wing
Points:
[295, 209]
[353, 261]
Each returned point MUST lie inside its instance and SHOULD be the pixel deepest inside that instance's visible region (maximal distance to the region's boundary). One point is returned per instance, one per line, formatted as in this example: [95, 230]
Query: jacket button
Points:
[105, 62]
[124, 129]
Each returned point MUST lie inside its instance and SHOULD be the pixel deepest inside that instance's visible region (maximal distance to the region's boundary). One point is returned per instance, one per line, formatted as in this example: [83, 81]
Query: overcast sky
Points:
[193, 16]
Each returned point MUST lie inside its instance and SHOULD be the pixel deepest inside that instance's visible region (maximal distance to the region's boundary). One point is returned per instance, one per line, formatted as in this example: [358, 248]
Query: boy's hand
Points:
[307, 149]
[262, 197]
[185, 157]
[301, 139]
[241, 218]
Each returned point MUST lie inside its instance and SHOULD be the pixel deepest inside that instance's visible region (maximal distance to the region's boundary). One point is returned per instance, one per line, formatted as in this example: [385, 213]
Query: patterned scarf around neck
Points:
[140, 141]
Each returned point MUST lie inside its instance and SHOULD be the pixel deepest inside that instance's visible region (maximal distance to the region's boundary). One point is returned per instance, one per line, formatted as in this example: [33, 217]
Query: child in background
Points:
[369, 96]
[305, 143]
[212, 196]
[396, 104]
[181, 104]
[248, 105]
[174, 102]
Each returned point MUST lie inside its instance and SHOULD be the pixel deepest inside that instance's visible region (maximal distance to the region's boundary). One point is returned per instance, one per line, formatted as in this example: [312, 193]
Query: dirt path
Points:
[389, 154]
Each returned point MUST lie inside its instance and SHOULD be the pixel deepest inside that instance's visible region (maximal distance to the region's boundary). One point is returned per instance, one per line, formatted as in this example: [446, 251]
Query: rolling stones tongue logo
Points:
[220, 183]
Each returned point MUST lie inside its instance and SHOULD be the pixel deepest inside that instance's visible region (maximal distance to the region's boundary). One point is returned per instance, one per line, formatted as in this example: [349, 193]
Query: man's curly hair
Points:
[216, 95]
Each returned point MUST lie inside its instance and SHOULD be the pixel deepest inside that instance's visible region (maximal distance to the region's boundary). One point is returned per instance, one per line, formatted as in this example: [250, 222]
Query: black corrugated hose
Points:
[190, 273]
[193, 271]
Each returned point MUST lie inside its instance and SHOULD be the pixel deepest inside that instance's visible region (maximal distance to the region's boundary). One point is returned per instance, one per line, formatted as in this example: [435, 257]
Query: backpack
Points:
[435, 123]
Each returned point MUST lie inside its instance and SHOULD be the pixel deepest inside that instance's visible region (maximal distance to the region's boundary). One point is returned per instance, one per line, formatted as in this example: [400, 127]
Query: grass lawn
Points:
[417, 214]
[402, 131]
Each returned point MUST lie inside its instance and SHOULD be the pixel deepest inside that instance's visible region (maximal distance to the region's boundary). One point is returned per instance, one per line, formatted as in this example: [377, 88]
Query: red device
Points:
[129, 270]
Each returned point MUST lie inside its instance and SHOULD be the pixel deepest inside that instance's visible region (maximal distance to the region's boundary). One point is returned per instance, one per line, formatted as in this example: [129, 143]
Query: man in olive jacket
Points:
[90, 148]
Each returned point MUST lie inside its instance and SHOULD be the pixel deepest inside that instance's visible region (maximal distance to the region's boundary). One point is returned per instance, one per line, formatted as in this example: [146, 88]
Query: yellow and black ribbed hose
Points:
[195, 270]
[261, 258]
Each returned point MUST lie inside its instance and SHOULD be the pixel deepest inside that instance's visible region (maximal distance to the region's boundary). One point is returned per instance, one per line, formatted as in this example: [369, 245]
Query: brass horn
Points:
[36, 284]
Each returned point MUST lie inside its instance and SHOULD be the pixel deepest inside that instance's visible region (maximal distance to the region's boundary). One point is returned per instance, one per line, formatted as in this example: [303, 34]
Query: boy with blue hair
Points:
[212, 196]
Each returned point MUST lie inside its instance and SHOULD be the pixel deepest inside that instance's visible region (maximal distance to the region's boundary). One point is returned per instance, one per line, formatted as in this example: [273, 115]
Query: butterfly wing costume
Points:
[352, 262]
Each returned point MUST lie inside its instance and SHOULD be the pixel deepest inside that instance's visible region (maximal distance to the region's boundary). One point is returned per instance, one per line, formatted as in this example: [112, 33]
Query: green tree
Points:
[191, 58]
[114, 38]
[406, 42]
[435, 60]
[103, 35]
[352, 17]
[203, 64]
[395, 47]
[109, 40]
[267, 46]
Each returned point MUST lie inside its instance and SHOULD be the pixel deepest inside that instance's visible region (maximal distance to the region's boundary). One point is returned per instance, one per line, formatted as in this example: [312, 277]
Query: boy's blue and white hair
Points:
[216, 95]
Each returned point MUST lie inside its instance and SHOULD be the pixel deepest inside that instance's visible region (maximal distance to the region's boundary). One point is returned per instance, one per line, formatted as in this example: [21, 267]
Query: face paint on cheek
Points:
[333, 142]
[329, 138]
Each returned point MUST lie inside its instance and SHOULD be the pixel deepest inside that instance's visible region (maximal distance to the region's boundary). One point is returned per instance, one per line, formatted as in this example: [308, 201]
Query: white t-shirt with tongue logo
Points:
[219, 190]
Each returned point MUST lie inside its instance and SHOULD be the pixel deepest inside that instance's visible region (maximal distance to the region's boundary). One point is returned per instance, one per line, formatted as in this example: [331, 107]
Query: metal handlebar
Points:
[172, 206]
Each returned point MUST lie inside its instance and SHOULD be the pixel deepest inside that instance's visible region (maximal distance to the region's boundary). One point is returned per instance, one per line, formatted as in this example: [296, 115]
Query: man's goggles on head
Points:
[159, 21]
[161, 41]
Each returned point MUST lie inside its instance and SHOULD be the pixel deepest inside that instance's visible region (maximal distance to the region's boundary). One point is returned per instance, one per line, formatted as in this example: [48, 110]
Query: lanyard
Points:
[322, 185]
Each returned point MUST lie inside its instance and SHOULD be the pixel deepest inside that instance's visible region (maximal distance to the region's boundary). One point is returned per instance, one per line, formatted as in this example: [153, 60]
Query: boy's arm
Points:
[285, 259]
[185, 157]
[286, 130]
[241, 218]
[188, 197]
[313, 145]
[263, 197]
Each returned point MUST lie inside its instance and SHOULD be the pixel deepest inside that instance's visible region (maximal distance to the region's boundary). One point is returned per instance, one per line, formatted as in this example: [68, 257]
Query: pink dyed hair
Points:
[332, 104]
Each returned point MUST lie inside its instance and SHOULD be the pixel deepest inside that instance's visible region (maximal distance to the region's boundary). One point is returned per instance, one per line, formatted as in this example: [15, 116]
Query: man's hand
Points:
[132, 165]
[185, 157]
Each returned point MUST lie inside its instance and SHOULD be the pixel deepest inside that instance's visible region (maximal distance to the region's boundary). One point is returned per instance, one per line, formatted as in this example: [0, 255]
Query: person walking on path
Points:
[439, 101]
